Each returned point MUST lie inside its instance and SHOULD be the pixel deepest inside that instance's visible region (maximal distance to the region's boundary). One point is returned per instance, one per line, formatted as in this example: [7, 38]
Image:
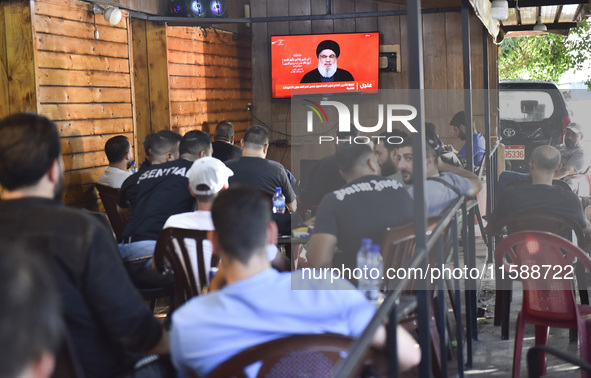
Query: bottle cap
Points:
[375, 248]
[278, 190]
[366, 242]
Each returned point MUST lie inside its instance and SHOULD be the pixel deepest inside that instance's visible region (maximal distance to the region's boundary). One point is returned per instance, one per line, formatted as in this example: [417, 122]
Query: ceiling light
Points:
[499, 9]
[539, 26]
[112, 14]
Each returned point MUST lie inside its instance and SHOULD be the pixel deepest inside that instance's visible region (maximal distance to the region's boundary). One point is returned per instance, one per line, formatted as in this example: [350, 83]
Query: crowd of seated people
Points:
[181, 185]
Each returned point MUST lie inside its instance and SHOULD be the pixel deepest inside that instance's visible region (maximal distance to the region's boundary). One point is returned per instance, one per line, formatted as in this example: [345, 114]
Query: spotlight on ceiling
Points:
[539, 26]
[218, 8]
[112, 14]
[196, 8]
[499, 9]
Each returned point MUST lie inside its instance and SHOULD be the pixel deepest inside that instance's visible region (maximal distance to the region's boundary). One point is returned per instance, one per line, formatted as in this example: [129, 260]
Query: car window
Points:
[525, 106]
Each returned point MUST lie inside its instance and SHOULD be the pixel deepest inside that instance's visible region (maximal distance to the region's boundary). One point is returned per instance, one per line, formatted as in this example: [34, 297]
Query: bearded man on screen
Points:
[328, 51]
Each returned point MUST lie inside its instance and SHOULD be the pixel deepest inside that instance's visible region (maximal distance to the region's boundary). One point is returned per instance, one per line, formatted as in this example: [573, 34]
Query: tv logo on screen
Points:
[344, 117]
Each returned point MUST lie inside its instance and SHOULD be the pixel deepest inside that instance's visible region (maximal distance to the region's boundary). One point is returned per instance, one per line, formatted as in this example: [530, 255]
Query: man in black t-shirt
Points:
[254, 170]
[223, 142]
[162, 192]
[541, 194]
[363, 209]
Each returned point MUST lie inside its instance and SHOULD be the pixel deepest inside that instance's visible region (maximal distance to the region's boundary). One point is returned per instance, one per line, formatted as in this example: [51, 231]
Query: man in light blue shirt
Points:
[458, 123]
[445, 183]
[259, 304]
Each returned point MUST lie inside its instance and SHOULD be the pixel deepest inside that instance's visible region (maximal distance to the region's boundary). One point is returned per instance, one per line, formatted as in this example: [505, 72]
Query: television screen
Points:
[324, 64]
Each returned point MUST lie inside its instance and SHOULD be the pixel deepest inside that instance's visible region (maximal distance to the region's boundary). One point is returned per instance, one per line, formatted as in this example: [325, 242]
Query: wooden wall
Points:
[210, 78]
[84, 85]
[443, 68]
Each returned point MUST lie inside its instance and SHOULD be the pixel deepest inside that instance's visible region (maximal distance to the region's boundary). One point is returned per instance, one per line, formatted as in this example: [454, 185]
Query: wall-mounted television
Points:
[305, 64]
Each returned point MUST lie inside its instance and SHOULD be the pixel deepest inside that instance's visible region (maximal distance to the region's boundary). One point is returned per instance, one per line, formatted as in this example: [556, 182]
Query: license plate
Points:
[514, 152]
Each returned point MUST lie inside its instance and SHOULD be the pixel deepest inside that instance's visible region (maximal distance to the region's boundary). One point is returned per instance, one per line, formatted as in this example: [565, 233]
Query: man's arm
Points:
[567, 170]
[409, 352]
[321, 250]
[474, 180]
[292, 206]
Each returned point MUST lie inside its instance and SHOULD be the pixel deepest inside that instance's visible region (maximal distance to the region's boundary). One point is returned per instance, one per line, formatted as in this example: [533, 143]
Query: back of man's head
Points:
[148, 141]
[224, 131]
[194, 144]
[30, 312]
[458, 119]
[352, 156]
[256, 137]
[29, 144]
[116, 148]
[165, 142]
[546, 159]
[240, 216]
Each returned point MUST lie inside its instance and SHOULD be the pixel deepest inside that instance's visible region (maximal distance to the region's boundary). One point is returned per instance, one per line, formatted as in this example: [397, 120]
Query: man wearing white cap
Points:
[207, 176]
[328, 51]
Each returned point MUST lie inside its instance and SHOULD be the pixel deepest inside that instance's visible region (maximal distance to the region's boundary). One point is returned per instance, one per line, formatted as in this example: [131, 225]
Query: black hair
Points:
[350, 155]
[394, 133]
[459, 119]
[165, 141]
[256, 137]
[116, 148]
[148, 141]
[30, 312]
[224, 131]
[240, 216]
[193, 143]
[29, 144]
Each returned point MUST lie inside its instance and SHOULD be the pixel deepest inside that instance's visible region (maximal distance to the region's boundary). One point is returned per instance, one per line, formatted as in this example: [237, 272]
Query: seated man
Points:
[540, 195]
[254, 169]
[387, 154]
[445, 183]
[162, 192]
[258, 304]
[573, 164]
[106, 318]
[118, 151]
[459, 124]
[364, 208]
[223, 142]
[30, 314]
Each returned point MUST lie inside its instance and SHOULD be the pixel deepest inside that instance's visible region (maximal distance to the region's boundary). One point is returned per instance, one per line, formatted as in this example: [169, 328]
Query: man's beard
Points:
[388, 168]
[58, 190]
[462, 135]
[406, 177]
[327, 73]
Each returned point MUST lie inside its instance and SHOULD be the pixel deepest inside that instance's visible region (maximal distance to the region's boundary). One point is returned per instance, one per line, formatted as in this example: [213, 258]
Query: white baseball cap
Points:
[210, 172]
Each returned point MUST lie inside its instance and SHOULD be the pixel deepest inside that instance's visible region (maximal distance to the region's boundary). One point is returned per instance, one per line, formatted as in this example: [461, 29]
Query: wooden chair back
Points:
[292, 356]
[175, 249]
[109, 197]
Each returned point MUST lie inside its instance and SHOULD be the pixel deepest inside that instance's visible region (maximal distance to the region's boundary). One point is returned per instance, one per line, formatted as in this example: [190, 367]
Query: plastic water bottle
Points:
[133, 167]
[371, 278]
[375, 265]
[363, 283]
[278, 202]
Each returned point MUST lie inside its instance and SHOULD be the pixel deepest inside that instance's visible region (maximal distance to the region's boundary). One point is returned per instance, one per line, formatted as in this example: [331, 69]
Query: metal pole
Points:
[416, 85]
[487, 136]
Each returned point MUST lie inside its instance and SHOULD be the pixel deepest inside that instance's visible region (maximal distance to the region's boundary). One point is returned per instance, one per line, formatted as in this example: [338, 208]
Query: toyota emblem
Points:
[508, 132]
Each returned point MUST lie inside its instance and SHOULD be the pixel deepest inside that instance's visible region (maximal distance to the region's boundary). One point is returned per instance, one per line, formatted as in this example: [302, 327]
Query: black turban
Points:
[328, 45]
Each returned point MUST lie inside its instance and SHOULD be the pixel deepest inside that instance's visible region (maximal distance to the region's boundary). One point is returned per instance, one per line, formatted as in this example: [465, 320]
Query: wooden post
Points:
[18, 87]
[157, 53]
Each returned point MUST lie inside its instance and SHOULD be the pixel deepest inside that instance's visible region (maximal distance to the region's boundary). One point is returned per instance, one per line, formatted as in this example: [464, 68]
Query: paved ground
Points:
[493, 357]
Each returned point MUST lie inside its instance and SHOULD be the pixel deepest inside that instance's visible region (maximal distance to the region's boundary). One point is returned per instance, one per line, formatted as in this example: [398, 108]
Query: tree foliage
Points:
[546, 56]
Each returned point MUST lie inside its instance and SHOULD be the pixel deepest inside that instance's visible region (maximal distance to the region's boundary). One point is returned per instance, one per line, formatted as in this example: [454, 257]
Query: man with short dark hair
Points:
[162, 192]
[118, 151]
[445, 183]
[253, 169]
[30, 314]
[459, 124]
[327, 52]
[386, 153]
[106, 318]
[258, 304]
[223, 142]
[364, 208]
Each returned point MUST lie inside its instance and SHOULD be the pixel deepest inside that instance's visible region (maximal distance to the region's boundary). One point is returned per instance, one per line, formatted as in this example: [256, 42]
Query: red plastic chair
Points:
[548, 300]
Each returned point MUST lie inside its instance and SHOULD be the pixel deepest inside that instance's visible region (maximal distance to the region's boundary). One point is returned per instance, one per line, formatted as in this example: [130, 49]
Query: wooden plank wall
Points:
[84, 86]
[210, 78]
[443, 68]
